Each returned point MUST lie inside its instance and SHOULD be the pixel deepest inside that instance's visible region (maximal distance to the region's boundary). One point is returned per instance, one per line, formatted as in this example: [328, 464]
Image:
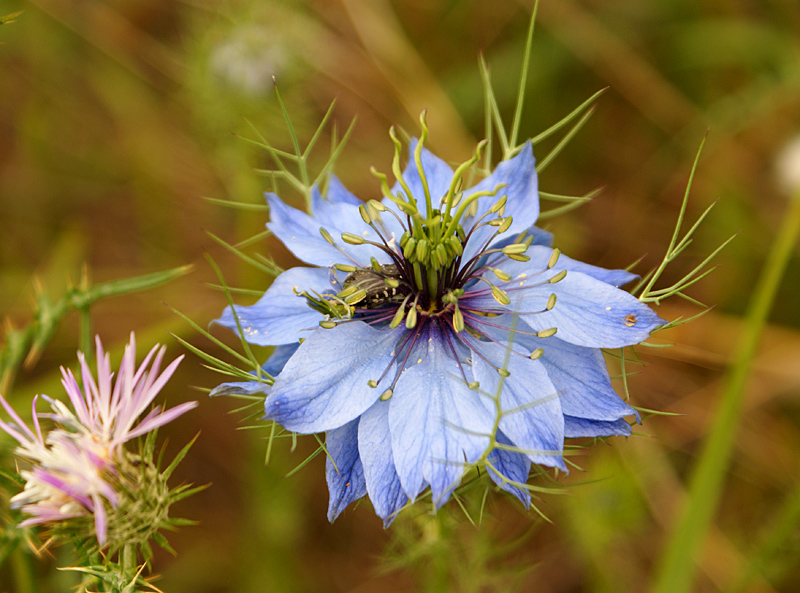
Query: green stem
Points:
[677, 568]
[23, 571]
[127, 565]
[766, 558]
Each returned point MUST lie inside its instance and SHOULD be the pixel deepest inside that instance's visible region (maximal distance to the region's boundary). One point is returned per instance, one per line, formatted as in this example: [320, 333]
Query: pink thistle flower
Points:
[107, 410]
[74, 467]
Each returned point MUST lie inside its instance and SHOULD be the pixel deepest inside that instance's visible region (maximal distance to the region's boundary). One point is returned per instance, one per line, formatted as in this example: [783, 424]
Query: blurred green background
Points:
[118, 117]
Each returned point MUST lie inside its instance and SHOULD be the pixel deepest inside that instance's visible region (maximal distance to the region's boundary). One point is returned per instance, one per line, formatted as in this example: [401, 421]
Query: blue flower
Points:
[437, 330]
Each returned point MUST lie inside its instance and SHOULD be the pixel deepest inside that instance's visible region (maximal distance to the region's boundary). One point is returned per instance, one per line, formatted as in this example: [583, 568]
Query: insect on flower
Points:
[380, 286]
[439, 331]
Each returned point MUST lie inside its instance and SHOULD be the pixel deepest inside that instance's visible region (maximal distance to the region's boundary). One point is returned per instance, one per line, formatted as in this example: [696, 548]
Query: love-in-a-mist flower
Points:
[76, 468]
[437, 330]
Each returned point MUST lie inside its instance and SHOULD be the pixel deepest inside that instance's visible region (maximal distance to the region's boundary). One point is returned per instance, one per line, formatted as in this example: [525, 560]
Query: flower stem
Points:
[23, 571]
[127, 565]
[677, 567]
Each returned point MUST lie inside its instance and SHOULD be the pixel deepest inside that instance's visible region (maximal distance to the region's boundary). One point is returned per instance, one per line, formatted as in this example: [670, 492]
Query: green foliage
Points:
[27, 343]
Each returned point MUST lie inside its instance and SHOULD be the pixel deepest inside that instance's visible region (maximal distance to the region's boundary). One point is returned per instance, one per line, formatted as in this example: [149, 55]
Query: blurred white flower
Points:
[248, 59]
[788, 166]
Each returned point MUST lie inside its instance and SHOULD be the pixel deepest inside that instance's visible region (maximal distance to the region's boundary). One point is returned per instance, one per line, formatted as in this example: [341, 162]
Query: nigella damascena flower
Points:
[75, 467]
[435, 332]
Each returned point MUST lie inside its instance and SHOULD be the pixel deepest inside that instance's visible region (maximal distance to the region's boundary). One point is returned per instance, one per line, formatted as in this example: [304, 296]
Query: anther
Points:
[377, 205]
[519, 257]
[356, 297]
[558, 277]
[505, 225]
[345, 268]
[422, 250]
[327, 324]
[386, 395]
[398, 316]
[504, 276]
[456, 246]
[514, 249]
[551, 302]
[546, 333]
[409, 248]
[500, 296]
[553, 259]
[411, 318]
[503, 372]
[458, 319]
[473, 386]
[498, 204]
[536, 354]
[362, 210]
[326, 235]
[375, 265]
[352, 239]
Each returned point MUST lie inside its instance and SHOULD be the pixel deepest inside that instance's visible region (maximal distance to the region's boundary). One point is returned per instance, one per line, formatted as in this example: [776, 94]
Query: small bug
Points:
[372, 282]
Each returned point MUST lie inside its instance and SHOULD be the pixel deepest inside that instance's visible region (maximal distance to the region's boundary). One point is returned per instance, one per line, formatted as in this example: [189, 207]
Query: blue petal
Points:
[438, 425]
[588, 312]
[241, 388]
[541, 236]
[279, 358]
[522, 191]
[375, 449]
[280, 316]
[336, 215]
[343, 469]
[512, 466]
[299, 232]
[581, 427]
[530, 409]
[324, 385]
[338, 193]
[540, 255]
[581, 377]
[272, 367]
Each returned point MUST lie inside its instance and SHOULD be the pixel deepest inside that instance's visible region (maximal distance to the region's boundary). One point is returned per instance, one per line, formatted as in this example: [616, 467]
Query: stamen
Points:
[352, 239]
[458, 319]
[411, 318]
[453, 350]
[514, 249]
[553, 258]
[400, 313]
[326, 235]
